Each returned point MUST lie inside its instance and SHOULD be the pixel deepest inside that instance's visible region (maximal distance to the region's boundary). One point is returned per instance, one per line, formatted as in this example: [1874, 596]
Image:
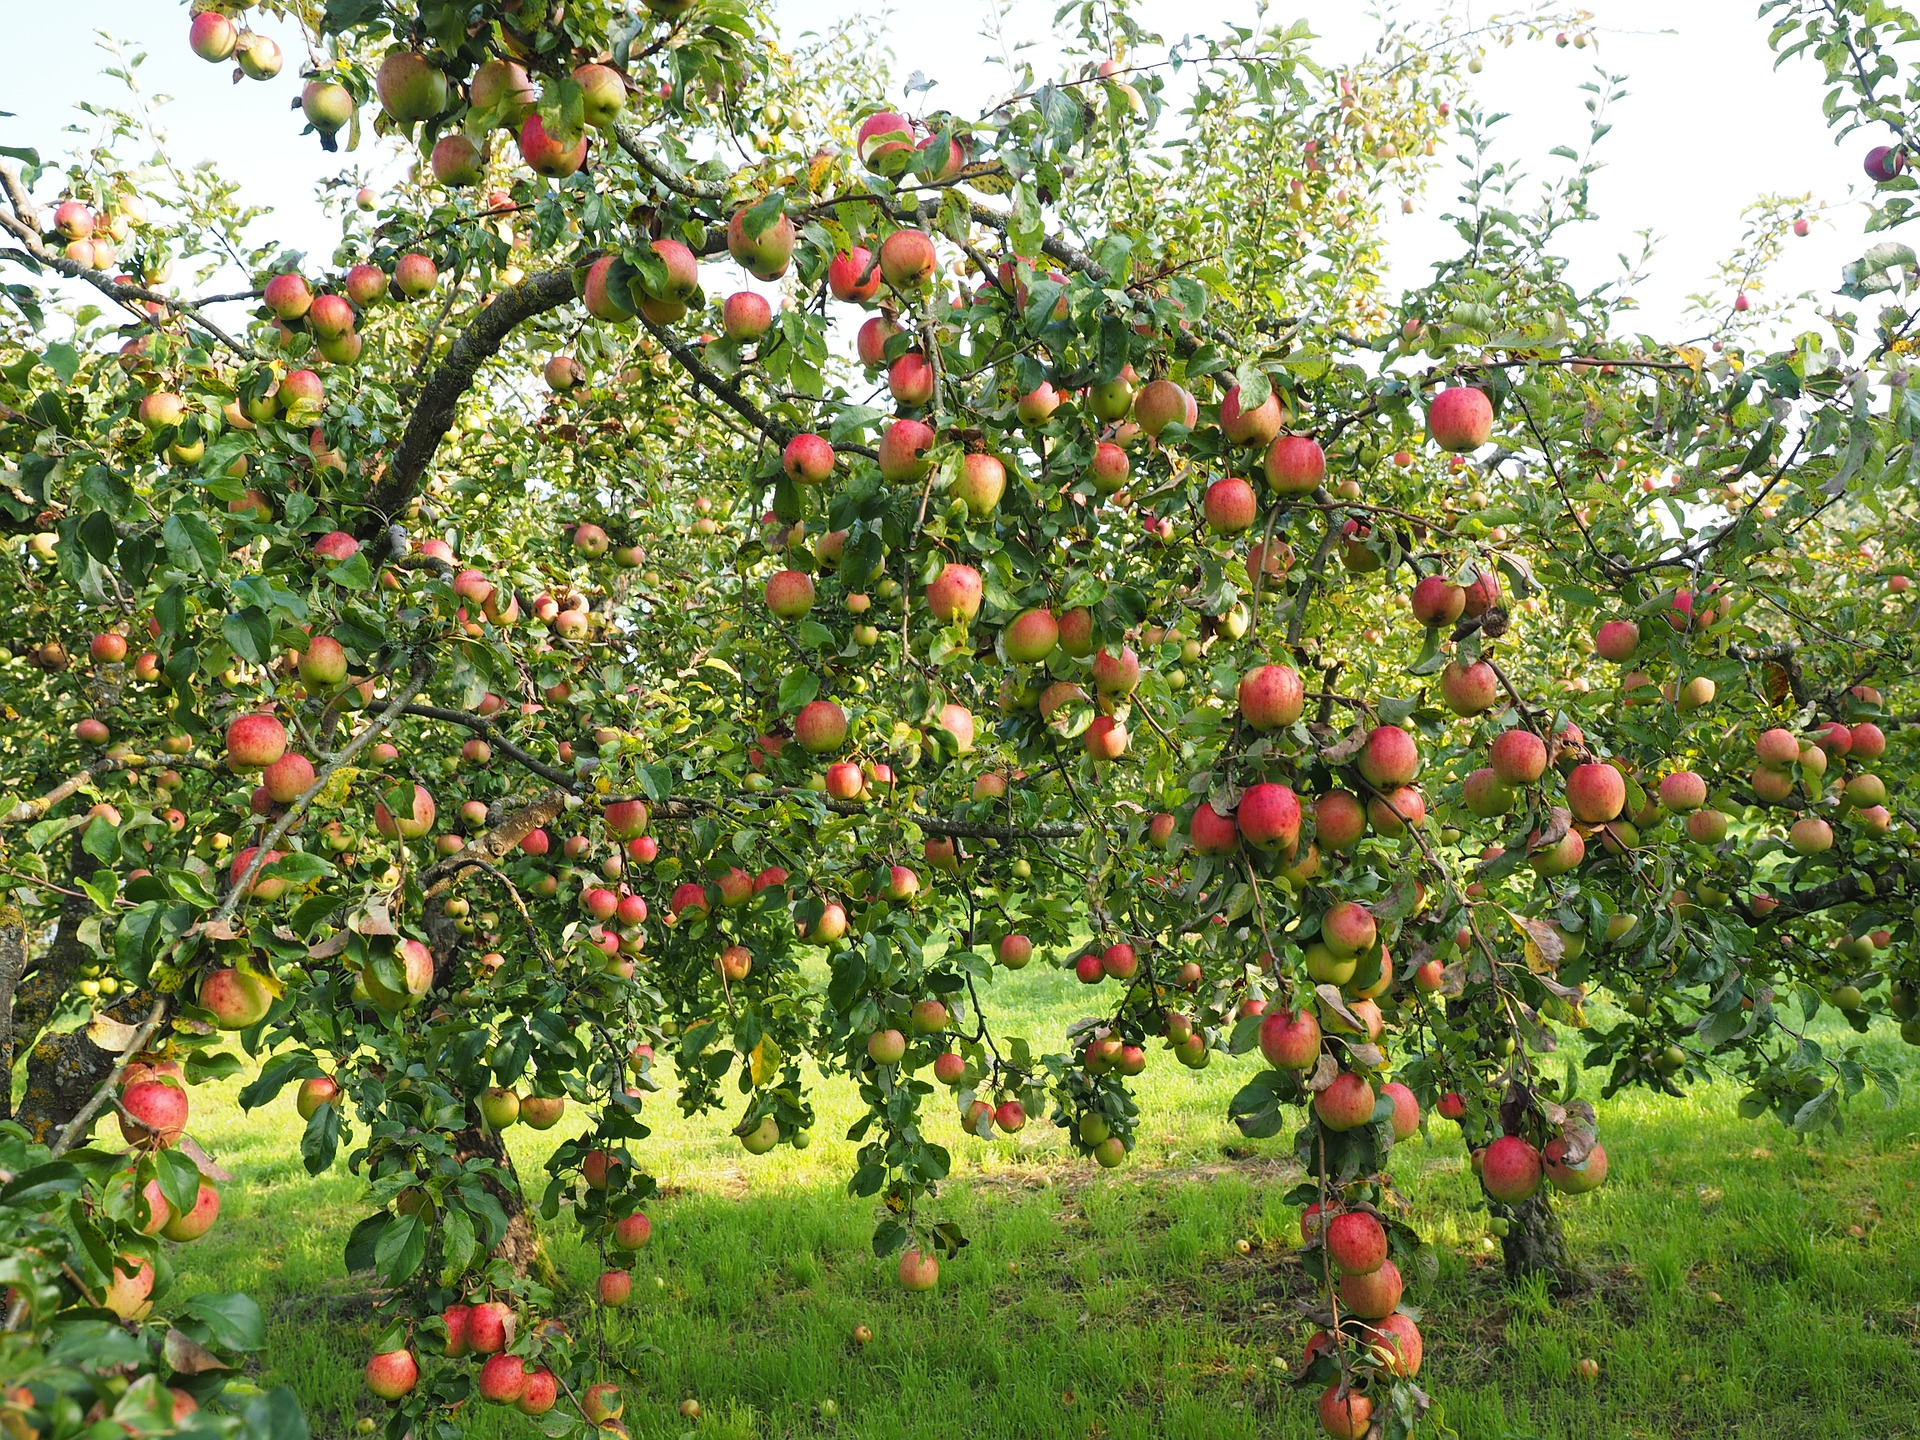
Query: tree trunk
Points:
[63, 1071]
[1535, 1244]
[13, 964]
[521, 1248]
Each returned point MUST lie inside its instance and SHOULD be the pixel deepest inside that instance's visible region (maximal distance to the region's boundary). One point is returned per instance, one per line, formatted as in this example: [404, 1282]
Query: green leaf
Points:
[458, 1244]
[179, 1180]
[191, 543]
[62, 359]
[321, 1139]
[276, 1415]
[401, 1247]
[366, 1235]
[234, 1321]
[1254, 385]
[797, 689]
[250, 634]
[97, 536]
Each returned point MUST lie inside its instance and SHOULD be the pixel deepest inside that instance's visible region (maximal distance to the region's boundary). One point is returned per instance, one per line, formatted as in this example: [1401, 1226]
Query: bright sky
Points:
[1708, 125]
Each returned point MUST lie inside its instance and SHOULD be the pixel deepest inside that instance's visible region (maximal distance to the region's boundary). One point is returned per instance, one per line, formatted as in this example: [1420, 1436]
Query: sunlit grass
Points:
[1745, 1284]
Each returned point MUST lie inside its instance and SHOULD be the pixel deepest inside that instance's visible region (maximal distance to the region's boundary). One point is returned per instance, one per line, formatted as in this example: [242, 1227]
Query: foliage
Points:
[707, 706]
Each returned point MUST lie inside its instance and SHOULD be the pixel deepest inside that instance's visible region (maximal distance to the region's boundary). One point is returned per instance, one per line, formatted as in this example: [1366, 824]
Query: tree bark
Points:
[63, 1070]
[521, 1248]
[13, 964]
[1535, 1244]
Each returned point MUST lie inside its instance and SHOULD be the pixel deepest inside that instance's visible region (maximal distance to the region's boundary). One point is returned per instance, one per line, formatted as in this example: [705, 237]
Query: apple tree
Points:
[720, 561]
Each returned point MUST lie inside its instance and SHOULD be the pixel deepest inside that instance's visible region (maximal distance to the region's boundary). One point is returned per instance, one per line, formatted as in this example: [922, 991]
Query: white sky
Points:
[1707, 127]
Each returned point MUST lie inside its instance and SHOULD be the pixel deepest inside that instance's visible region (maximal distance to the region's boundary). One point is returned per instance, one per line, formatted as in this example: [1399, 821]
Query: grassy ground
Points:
[1745, 1285]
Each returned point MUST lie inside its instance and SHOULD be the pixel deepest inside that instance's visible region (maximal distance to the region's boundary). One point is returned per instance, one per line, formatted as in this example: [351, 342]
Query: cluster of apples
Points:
[153, 1109]
[215, 37]
[92, 237]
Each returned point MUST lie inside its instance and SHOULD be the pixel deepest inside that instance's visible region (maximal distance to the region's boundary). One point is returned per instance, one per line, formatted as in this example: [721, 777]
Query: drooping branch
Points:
[681, 807]
[434, 412]
[243, 883]
[24, 225]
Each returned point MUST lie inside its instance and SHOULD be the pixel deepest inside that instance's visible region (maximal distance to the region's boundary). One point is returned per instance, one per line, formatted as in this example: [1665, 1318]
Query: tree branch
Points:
[433, 413]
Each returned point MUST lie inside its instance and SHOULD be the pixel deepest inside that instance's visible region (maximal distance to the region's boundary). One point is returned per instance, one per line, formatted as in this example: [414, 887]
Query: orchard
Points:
[723, 565]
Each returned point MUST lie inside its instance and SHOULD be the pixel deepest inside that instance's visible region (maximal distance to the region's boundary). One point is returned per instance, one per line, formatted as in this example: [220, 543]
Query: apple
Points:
[789, 594]
[1272, 696]
[1356, 1242]
[392, 1374]
[546, 154]
[603, 92]
[197, 1221]
[904, 450]
[287, 296]
[1036, 407]
[1596, 793]
[1295, 464]
[502, 1379]
[1347, 929]
[1230, 506]
[1390, 758]
[415, 275]
[1406, 1105]
[236, 999]
[766, 253]
[212, 36]
[288, 778]
[153, 1114]
[1591, 1174]
[1161, 403]
[981, 483]
[315, 1091]
[1269, 817]
[1290, 1039]
[908, 260]
[1345, 1414]
[483, 1329]
[1511, 1170]
[1682, 790]
[1339, 820]
[1884, 163]
[1346, 1104]
[1437, 601]
[1469, 689]
[1617, 640]
[919, 1271]
[1517, 757]
[1212, 833]
[955, 593]
[411, 824]
[1460, 418]
[1258, 426]
[328, 106]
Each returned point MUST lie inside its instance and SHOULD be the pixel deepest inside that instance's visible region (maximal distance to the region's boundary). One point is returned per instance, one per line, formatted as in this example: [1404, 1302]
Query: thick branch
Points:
[28, 810]
[434, 412]
[629, 140]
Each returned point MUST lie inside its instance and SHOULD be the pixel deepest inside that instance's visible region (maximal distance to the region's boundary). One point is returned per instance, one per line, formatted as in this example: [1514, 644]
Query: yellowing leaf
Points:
[765, 1061]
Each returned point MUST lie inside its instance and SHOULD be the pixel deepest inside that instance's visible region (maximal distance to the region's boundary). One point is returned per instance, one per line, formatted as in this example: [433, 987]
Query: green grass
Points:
[1745, 1285]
